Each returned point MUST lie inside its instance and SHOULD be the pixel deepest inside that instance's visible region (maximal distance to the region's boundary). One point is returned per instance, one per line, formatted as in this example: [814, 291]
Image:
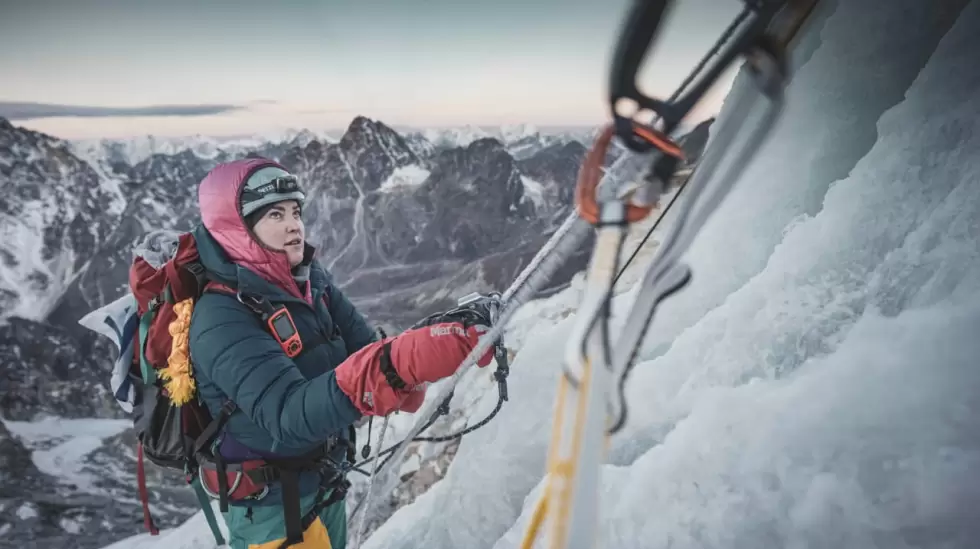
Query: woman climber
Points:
[292, 362]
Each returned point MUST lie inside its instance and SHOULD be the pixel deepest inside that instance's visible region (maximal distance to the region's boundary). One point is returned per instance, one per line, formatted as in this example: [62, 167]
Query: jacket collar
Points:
[216, 261]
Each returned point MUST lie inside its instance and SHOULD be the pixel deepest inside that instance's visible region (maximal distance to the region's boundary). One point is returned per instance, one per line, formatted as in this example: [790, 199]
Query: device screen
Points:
[283, 327]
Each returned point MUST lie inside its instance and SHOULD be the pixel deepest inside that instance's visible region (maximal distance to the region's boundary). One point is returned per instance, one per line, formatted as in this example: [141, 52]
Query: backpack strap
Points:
[210, 432]
[144, 499]
[219, 287]
[147, 372]
[197, 270]
[202, 499]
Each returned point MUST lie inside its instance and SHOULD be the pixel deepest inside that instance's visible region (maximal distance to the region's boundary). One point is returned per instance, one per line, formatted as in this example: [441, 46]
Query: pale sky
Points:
[245, 67]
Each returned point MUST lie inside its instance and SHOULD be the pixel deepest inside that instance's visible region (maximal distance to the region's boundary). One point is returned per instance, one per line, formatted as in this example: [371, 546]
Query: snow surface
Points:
[193, 534]
[816, 384]
[134, 150]
[828, 123]
[59, 446]
[409, 176]
[456, 137]
[26, 511]
[535, 191]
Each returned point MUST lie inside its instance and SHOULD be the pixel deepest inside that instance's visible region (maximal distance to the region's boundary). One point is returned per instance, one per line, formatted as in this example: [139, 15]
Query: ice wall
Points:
[786, 274]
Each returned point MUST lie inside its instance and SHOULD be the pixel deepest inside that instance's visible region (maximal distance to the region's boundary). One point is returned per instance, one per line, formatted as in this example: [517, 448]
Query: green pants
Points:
[265, 528]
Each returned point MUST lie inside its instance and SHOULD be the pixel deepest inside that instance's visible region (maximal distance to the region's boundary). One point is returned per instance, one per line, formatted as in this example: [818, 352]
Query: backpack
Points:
[173, 426]
[153, 376]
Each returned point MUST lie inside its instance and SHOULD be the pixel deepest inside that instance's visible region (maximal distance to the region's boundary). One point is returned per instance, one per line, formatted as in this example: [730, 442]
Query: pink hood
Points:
[218, 198]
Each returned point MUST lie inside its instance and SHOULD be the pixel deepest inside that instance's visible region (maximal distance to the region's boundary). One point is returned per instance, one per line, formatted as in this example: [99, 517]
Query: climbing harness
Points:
[587, 411]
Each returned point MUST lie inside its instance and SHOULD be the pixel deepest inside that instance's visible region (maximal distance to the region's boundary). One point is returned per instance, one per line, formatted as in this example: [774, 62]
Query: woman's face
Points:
[281, 228]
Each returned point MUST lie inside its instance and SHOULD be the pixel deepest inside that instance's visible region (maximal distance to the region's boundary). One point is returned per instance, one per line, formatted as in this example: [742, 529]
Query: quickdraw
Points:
[760, 35]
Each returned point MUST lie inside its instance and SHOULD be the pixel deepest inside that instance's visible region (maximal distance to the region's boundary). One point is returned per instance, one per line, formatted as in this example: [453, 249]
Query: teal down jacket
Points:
[285, 406]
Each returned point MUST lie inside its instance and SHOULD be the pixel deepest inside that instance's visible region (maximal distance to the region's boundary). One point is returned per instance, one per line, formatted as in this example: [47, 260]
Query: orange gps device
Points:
[284, 330]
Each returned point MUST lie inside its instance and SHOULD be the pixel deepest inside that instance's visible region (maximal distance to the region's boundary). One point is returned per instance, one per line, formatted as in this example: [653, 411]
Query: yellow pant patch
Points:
[315, 537]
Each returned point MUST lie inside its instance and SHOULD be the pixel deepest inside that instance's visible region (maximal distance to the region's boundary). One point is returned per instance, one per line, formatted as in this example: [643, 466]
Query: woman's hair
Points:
[254, 217]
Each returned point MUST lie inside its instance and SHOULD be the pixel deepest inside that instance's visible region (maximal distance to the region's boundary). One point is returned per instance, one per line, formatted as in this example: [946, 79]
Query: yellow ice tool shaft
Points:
[578, 441]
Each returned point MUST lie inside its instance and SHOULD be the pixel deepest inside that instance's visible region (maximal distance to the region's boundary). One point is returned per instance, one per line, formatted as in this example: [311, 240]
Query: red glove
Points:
[416, 357]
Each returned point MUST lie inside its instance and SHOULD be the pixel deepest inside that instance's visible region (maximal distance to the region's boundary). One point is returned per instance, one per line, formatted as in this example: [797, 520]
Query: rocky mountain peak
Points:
[161, 194]
[57, 211]
[558, 161]
[374, 151]
[550, 174]
[361, 124]
[483, 172]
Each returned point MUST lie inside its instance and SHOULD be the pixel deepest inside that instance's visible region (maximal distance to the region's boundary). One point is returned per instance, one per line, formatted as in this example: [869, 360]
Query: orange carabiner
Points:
[591, 172]
[659, 140]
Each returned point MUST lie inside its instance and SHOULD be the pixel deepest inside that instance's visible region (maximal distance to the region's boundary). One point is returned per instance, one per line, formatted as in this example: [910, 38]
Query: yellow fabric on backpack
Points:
[179, 381]
[315, 537]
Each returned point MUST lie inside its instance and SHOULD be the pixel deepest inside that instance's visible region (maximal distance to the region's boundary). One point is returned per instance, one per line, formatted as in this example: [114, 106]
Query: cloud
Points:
[27, 111]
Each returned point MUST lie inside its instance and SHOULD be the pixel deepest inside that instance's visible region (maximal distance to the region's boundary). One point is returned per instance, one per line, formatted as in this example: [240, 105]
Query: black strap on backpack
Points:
[210, 432]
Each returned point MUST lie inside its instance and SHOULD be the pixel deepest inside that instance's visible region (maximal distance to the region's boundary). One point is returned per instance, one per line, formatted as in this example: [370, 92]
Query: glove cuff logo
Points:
[446, 329]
